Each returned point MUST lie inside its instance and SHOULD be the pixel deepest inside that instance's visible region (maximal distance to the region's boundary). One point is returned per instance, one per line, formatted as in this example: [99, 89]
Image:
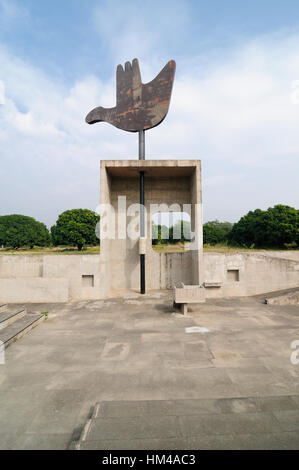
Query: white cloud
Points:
[2, 92]
[237, 116]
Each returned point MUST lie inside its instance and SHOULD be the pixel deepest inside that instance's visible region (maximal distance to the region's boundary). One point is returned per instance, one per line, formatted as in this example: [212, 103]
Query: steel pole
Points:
[142, 214]
[141, 145]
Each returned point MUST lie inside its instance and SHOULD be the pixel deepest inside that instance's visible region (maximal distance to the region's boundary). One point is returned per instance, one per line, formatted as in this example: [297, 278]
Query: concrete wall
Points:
[243, 274]
[58, 278]
[170, 269]
[21, 266]
[75, 269]
[50, 278]
[33, 290]
[286, 254]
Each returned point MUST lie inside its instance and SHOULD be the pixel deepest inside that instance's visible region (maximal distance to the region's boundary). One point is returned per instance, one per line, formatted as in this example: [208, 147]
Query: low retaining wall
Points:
[61, 278]
[290, 298]
[34, 290]
[243, 274]
[49, 278]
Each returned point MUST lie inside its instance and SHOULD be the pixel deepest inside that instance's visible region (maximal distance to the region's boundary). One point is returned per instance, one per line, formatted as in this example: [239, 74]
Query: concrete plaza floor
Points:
[161, 387]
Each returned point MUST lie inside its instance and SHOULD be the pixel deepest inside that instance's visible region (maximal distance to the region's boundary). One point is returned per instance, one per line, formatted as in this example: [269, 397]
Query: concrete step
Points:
[290, 297]
[7, 317]
[3, 307]
[184, 423]
[122, 421]
[19, 328]
[77, 442]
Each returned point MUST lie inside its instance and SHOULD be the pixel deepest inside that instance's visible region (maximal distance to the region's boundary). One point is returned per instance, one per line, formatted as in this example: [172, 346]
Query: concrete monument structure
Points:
[172, 183]
[139, 107]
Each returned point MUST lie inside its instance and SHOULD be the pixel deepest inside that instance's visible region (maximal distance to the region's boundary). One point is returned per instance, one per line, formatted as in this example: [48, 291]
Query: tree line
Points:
[75, 227]
[276, 227]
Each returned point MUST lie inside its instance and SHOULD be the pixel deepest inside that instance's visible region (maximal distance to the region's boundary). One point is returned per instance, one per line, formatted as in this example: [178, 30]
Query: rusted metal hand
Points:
[138, 106]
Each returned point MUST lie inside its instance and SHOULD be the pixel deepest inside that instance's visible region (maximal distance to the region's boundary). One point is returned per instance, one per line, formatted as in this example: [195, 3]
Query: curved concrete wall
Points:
[60, 278]
[243, 274]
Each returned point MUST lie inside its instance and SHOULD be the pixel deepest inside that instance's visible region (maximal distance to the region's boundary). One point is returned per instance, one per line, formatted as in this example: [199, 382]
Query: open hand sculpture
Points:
[138, 106]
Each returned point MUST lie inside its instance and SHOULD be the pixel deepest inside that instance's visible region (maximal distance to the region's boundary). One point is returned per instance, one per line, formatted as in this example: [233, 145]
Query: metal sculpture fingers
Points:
[138, 106]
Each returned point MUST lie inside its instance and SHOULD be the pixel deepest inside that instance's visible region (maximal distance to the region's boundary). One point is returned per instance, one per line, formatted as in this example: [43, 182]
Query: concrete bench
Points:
[211, 284]
[185, 295]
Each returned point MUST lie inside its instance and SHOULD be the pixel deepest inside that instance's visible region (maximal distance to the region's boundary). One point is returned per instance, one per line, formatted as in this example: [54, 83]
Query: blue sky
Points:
[235, 104]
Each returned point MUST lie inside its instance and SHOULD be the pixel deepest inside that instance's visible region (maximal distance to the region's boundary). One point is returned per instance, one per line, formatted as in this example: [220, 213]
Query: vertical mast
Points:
[142, 215]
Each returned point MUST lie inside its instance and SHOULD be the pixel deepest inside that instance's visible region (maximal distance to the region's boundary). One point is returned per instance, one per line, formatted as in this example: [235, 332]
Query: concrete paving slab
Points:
[115, 409]
[238, 405]
[295, 399]
[277, 403]
[251, 375]
[150, 427]
[45, 442]
[288, 419]
[214, 442]
[288, 440]
[196, 407]
[137, 444]
[238, 423]
[260, 441]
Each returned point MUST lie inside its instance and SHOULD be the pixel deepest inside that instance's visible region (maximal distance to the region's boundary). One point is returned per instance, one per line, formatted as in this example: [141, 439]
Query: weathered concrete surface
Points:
[9, 316]
[19, 328]
[255, 274]
[48, 278]
[189, 294]
[73, 268]
[34, 278]
[168, 182]
[288, 298]
[185, 295]
[231, 387]
[34, 289]
[287, 254]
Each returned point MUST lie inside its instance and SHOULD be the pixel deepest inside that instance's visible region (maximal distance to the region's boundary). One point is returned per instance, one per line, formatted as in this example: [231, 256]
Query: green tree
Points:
[277, 227]
[180, 232]
[156, 234]
[20, 230]
[76, 227]
[216, 232]
[160, 234]
[223, 226]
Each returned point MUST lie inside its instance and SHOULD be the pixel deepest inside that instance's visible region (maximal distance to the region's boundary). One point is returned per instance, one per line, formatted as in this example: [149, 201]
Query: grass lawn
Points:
[180, 248]
[177, 248]
[95, 250]
[57, 250]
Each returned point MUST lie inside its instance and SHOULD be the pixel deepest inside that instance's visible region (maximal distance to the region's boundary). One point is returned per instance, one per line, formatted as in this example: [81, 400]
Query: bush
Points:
[20, 230]
[277, 227]
[180, 232]
[76, 227]
[215, 232]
